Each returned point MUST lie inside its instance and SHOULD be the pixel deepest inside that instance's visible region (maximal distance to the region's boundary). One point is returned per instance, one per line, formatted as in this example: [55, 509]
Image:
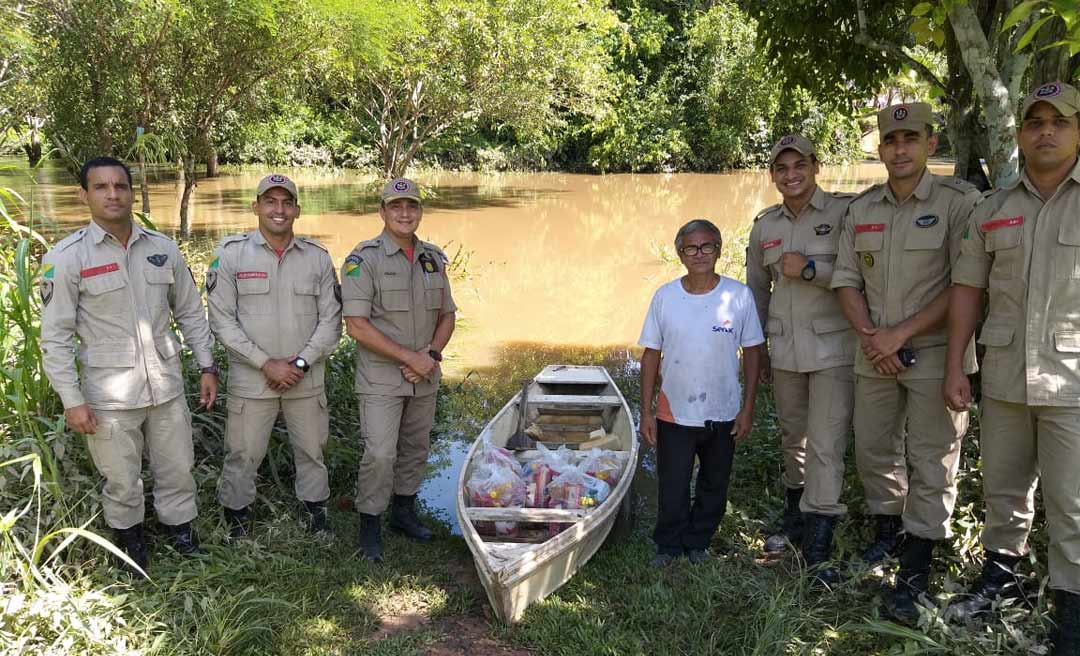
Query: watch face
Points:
[302, 363]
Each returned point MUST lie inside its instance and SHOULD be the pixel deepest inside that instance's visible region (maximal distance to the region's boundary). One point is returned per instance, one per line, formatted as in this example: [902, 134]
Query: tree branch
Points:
[896, 52]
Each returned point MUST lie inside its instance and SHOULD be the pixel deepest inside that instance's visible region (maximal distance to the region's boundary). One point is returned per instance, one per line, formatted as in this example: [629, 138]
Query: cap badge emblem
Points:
[1048, 91]
[401, 185]
[900, 113]
[787, 140]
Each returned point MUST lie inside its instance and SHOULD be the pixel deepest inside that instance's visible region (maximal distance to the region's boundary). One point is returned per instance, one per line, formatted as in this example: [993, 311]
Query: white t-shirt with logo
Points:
[699, 336]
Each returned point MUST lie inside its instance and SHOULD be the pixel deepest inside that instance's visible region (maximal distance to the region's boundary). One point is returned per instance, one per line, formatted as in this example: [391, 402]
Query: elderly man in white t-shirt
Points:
[692, 336]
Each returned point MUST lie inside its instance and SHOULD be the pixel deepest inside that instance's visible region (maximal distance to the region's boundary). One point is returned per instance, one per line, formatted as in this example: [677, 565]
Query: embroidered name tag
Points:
[869, 227]
[1008, 222]
[98, 270]
[766, 245]
[245, 275]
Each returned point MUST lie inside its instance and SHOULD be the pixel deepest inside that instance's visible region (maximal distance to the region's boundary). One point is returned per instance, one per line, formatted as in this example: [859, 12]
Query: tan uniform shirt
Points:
[1031, 332]
[806, 329]
[901, 256]
[403, 300]
[113, 304]
[262, 307]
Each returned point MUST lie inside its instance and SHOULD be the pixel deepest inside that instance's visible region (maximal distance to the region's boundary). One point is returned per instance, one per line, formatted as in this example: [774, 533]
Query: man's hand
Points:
[647, 428]
[410, 374]
[82, 419]
[208, 388]
[880, 343]
[956, 390]
[282, 373]
[792, 263]
[744, 421]
[422, 363]
[890, 366]
[765, 375]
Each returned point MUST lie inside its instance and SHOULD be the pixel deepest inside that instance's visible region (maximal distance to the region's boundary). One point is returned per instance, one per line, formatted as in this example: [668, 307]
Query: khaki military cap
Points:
[400, 188]
[906, 116]
[1064, 97]
[795, 142]
[276, 180]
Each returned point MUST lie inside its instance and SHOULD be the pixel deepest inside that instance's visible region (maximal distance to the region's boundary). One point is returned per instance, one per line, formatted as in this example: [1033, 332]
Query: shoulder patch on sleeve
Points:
[762, 213]
[351, 268]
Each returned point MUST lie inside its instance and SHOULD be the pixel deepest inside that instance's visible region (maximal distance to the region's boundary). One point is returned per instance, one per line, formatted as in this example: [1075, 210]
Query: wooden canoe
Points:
[519, 572]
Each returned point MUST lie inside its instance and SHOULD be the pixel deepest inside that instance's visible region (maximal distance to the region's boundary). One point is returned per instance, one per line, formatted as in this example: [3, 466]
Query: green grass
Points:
[285, 592]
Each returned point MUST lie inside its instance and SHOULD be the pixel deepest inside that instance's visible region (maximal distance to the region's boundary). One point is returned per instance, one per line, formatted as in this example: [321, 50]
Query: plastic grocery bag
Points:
[493, 485]
[602, 464]
[573, 489]
[540, 471]
[491, 454]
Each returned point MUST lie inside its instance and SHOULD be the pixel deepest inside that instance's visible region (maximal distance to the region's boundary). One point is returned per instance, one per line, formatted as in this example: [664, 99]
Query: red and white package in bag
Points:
[573, 489]
[539, 472]
[493, 485]
[602, 464]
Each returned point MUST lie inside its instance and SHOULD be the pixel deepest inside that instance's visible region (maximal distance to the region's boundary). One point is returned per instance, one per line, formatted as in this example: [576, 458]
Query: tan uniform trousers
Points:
[926, 496]
[164, 432]
[397, 434]
[814, 411]
[1019, 443]
[248, 434]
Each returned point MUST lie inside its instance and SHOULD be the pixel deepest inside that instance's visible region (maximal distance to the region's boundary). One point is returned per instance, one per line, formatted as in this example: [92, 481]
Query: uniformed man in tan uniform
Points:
[398, 307]
[274, 304]
[110, 293]
[899, 243]
[789, 267]
[1023, 247]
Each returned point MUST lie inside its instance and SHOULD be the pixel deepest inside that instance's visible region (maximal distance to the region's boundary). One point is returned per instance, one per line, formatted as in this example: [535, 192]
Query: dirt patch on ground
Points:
[468, 636]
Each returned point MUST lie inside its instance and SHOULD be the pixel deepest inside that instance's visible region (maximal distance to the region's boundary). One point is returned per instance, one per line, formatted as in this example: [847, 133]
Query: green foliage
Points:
[1046, 11]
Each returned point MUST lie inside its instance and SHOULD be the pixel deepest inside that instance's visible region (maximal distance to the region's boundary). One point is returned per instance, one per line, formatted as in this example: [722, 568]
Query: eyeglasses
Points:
[705, 249]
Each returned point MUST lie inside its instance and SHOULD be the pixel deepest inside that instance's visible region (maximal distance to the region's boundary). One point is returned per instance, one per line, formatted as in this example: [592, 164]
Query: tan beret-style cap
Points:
[906, 116]
[400, 188]
[795, 142]
[276, 180]
[1064, 97]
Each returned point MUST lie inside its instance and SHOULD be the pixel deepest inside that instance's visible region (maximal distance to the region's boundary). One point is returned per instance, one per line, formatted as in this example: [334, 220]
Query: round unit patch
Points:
[788, 140]
[1048, 91]
[401, 185]
[900, 113]
[868, 259]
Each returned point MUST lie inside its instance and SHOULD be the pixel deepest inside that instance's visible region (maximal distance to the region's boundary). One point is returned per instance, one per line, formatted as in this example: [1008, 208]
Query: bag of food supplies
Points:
[602, 464]
[573, 489]
[492, 485]
[540, 471]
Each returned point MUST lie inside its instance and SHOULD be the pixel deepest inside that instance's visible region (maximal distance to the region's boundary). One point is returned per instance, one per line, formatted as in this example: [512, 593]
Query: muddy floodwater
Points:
[542, 260]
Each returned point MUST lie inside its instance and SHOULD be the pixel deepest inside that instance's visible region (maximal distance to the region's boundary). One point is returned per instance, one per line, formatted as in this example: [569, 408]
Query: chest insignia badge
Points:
[158, 259]
[822, 230]
[927, 221]
[868, 259]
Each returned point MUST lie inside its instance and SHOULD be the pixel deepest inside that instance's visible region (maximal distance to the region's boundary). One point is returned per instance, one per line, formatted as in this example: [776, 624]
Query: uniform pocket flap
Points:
[101, 284]
[109, 355]
[1069, 233]
[869, 241]
[393, 281]
[158, 276]
[167, 347]
[305, 287]
[1067, 341]
[771, 256]
[822, 247]
[996, 335]
[1004, 238]
[925, 239]
[253, 286]
[774, 326]
[830, 325]
[395, 300]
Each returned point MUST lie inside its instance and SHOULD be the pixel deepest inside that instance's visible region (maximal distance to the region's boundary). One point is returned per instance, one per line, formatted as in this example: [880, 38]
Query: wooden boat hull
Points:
[515, 575]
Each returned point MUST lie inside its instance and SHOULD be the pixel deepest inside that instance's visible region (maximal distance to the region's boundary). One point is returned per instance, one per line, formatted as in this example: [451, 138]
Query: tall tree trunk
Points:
[997, 91]
[142, 183]
[187, 169]
[212, 163]
[965, 133]
[33, 142]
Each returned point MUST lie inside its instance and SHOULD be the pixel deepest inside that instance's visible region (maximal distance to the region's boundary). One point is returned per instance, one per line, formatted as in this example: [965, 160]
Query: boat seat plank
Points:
[526, 515]
[560, 374]
[533, 454]
[574, 400]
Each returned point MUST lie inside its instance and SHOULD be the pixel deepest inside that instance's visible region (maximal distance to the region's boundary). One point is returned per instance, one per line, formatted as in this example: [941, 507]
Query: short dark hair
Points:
[100, 162]
[694, 226]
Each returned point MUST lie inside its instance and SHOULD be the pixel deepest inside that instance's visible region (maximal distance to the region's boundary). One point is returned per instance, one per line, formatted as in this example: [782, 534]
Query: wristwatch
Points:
[301, 364]
[435, 355]
[809, 271]
[212, 369]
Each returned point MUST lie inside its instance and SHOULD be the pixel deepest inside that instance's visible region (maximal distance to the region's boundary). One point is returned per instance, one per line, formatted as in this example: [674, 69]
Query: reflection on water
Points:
[553, 258]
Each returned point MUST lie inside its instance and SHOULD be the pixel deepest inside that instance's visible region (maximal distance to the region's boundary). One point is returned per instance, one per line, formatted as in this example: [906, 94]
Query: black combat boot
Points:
[316, 511]
[370, 540]
[791, 524]
[131, 542]
[1066, 634]
[239, 522]
[889, 529]
[817, 548]
[997, 581]
[183, 539]
[912, 581]
[403, 518]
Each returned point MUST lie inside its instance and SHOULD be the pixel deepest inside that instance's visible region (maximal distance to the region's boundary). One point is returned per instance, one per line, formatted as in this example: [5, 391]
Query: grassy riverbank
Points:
[284, 592]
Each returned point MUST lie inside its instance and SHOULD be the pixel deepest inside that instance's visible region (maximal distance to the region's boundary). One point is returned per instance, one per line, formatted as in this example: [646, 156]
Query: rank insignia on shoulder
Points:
[352, 266]
[868, 259]
[158, 259]
[822, 229]
[927, 221]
